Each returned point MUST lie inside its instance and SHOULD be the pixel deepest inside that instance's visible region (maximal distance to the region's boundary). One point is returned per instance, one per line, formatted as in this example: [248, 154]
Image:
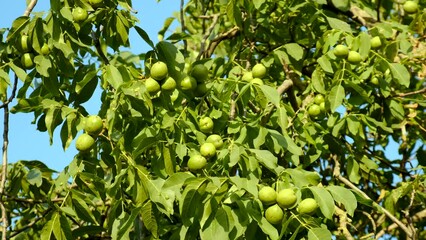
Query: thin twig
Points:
[423, 90]
[416, 217]
[376, 205]
[29, 225]
[231, 33]
[13, 94]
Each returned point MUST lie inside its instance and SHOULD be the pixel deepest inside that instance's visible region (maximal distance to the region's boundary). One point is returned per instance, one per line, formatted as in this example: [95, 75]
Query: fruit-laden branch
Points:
[336, 173]
[231, 33]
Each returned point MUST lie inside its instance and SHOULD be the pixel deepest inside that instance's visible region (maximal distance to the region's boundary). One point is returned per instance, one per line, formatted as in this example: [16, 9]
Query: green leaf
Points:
[353, 170]
[318, 81]
[235, 154]
[250, 185]
[190, 204]
[123, 224]
[122, 27]
[144, 36]
[353, 124]
[218, 227]
[258, 3]
[345, 197]
[82, 209]
[396, 109]
[149, 218]
[54, 225]
[286, 142]
[43, 64]
[234, 13]
[325, 201]
[325, 64]
[302, 178]
[268, 228]
[169, 160]
[175, 182]
[365, 45]
[17, 25]
[336, 96]
[294, 50]
[52, 120]
[342, 5]
[260, 139]
[34, 177]
[339, 24]
[166, 25]
[400, 73]
[37, 35]
[271, 94]
[19, 71]
[319, 234]
[113, 76]
[267, 159]
[65, 229]
[282, 119]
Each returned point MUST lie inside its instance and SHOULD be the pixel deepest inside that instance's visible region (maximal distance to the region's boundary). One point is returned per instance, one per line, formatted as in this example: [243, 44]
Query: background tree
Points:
[252, 120]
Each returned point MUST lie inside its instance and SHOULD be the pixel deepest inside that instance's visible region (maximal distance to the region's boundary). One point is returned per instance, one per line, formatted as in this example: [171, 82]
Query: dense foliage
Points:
[300, 99]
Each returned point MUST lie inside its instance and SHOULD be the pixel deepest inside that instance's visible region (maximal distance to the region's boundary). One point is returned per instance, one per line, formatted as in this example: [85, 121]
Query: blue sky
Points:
[25, 142]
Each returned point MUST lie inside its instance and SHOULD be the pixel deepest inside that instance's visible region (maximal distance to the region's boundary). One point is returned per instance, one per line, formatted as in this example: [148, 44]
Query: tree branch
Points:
[376, 205]
[97, 43]
[411, 93]
[4, 213]
[30, 8]
[226, 35]
[336, 173]
[416, 217]
[13, 94]
[286, 86]
[233, 109]
[29, 225]
[343, 222]
[207, 34]
[182, 23]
